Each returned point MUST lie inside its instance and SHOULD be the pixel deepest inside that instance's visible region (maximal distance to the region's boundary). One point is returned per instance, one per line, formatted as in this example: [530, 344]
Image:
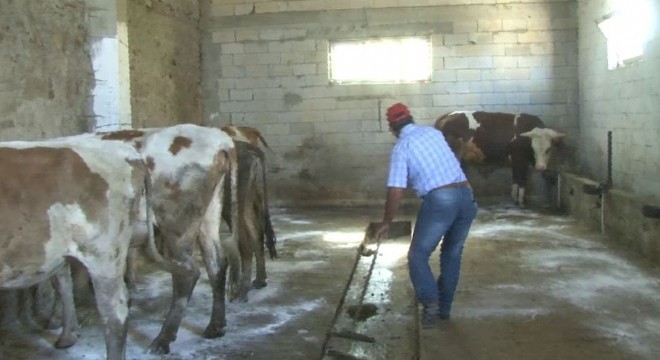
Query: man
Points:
[422, 159]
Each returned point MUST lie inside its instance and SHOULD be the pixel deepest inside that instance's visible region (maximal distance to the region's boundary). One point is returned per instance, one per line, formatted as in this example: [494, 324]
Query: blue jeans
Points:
[445, 214]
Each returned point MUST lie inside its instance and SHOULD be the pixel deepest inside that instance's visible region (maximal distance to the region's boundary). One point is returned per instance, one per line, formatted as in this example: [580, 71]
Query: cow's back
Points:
[60, 198]
[246, 134]
[486, 137]
[185, 163]
[494, 134]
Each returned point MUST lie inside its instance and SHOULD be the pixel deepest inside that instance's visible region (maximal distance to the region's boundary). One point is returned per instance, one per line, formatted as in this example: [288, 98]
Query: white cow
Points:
[71, 197]
[188, 165]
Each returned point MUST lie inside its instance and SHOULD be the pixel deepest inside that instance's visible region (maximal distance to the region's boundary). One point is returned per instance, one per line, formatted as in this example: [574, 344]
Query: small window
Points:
[381, 61]
[627, 31]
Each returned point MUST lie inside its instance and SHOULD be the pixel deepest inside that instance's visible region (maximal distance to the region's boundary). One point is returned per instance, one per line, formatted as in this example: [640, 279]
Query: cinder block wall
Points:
[625, 101]
[266, 65]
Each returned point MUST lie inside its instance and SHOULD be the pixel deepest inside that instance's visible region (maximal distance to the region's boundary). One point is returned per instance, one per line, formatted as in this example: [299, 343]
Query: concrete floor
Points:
[538, 286]
[533, 286]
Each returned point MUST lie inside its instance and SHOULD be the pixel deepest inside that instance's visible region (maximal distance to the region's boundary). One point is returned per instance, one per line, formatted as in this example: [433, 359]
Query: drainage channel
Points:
[376, 318]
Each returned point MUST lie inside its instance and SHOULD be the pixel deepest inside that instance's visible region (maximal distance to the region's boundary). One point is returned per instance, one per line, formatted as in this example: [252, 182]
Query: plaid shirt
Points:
[421, 158]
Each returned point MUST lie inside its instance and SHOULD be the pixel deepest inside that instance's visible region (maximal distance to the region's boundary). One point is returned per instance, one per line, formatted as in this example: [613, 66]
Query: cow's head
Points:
[542, 141]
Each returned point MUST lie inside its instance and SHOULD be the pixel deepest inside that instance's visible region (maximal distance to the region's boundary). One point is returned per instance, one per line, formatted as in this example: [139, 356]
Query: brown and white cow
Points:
[188, 166]
[481, 137]
[71, 197]
[254, 217]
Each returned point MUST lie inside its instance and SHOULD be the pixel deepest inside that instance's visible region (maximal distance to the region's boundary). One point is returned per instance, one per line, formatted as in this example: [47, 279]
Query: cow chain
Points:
[366, 284]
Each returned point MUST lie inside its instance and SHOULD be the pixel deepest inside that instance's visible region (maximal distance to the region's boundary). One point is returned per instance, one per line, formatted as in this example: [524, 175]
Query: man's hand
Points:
[394, 196]
[382, 231]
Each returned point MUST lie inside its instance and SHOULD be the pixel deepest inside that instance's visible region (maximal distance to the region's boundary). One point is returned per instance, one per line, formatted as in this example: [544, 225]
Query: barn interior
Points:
[574, 274]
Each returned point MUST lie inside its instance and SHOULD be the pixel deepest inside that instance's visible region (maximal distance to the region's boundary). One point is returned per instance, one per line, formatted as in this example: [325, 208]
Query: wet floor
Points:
[533, 286]
[538, 286]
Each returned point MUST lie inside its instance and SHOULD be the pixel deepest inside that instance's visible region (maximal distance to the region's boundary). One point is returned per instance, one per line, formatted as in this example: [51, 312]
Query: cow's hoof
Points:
[214, 332]
[258, 284]
[235, 293]
[159, 348]
[66, 341]
[241, 298]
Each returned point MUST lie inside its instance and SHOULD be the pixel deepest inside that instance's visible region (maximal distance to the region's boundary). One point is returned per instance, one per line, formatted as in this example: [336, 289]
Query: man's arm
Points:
[394, 197]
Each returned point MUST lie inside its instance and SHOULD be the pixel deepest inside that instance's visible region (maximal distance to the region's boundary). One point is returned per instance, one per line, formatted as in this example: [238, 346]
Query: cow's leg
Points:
[255, 224]
[26, 298]
[131, 267]
[246, 253]
[521, 197]
[257, 234]
[38, 306]
[217, 323]
[518, 194]
[184, 277]
[64, 286]
[209, 244]
[519, 168]
[112, 303]
[82, 286]
[514, 192]
[48, 305]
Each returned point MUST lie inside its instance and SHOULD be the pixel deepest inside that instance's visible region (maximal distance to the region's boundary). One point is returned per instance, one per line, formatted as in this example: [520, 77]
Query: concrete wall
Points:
[45, 69]
[266, 65]
[616, 214]
[625, 101]
[165, 67]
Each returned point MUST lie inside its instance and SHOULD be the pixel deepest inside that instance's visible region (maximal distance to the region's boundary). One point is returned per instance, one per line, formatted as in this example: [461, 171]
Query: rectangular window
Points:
[381, 61]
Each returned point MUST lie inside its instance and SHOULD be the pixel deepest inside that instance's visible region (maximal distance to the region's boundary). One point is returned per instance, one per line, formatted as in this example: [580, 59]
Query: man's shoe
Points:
[429, 321]
[429, 316]
[443, 316]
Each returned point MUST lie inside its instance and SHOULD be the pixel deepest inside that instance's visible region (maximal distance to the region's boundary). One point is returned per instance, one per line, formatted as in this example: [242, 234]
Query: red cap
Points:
[397, 112]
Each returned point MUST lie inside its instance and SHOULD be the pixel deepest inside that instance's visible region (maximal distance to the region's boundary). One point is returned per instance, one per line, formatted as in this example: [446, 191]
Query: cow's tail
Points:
[232, 252]
[271, 240]
[261, 138]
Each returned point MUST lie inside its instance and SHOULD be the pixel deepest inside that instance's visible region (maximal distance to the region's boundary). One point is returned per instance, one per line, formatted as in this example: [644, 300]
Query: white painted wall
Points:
[111, 93]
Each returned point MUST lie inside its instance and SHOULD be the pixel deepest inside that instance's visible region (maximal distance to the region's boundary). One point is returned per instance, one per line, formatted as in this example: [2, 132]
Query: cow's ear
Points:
[557, 141]
[556, 137]
[554, 133]
[528, 134]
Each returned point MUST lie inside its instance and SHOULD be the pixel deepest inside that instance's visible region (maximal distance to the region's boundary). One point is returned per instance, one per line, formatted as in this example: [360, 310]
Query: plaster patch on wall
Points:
[105, 93]
[292, 99]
